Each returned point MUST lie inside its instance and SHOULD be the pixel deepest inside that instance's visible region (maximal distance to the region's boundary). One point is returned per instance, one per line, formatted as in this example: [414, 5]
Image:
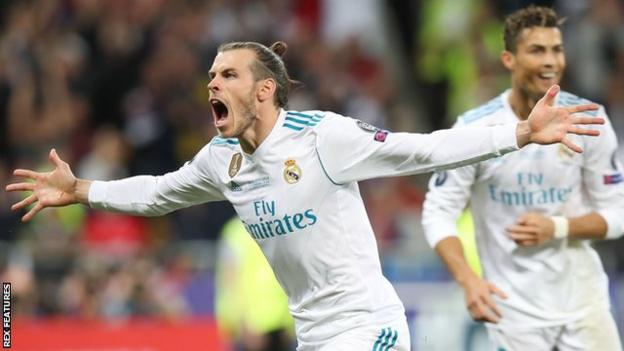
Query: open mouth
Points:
[548, 75]
[219, 111]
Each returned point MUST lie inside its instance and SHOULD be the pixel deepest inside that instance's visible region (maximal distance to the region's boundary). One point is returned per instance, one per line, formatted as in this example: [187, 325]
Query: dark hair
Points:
[268, 64]
[528, 17]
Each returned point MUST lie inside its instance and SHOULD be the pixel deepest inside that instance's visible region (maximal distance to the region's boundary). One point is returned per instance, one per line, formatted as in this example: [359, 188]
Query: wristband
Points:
[562, 227]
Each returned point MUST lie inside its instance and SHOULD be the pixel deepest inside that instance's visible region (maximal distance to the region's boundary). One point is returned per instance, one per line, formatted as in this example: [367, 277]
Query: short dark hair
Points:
[268, 64]
[528, 17]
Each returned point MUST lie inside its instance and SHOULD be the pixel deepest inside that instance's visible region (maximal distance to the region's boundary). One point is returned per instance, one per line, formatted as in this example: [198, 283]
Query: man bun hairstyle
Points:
[528, 17]
[268, 64]
[279, 48]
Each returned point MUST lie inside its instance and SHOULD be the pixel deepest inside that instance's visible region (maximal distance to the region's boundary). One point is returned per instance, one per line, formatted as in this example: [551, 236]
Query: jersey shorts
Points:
[392, 336]
[596, 332]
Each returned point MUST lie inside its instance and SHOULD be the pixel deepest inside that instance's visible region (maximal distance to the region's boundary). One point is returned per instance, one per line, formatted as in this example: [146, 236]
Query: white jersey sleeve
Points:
[447, 197]
[603, 179]
[157, 195]
[351, 150]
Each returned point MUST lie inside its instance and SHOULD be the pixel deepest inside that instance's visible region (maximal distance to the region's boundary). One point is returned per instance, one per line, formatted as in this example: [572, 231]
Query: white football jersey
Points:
[298, 196]
[557, 282]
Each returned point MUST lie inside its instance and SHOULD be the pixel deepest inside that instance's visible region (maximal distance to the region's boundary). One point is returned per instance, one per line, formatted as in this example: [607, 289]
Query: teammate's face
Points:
[232, 92]
[539, 60]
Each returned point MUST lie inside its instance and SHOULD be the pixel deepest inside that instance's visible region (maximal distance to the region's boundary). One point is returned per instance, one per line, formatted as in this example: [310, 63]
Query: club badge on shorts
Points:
[235, 164]
[292, 172]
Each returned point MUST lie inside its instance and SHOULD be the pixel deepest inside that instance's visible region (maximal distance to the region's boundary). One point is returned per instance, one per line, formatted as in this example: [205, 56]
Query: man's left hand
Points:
[532, 229]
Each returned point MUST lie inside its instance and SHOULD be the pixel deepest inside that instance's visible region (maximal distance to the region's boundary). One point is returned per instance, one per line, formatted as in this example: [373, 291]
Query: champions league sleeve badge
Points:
[380, 135]
[292, 172]
[235, 164]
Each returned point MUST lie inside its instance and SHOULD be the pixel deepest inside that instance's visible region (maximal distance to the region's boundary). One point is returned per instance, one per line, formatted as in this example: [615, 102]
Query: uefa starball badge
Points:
[367, 127]
[292, 172]
[235, 164]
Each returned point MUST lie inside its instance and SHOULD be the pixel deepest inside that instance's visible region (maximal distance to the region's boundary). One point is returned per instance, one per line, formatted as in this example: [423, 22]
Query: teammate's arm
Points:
[448, 194]
[534, 229]
[477, 291]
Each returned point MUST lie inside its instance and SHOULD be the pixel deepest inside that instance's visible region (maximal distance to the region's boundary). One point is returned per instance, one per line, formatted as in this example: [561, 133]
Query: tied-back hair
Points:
[268, 64]
[528, 17]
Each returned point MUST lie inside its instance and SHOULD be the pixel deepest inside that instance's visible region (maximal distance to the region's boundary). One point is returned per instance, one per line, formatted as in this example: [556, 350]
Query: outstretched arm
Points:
[50, 189]
[370, 153]
[143, 195]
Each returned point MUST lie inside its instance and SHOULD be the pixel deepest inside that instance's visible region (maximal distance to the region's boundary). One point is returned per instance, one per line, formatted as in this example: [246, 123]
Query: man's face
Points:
[539, 60]
[232, 92]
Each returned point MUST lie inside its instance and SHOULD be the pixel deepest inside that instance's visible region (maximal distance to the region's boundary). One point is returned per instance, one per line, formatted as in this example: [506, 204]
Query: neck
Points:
[521, 102]
[261, 126]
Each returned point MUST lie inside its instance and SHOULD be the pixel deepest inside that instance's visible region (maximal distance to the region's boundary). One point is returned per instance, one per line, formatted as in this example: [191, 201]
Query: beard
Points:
[246, 116]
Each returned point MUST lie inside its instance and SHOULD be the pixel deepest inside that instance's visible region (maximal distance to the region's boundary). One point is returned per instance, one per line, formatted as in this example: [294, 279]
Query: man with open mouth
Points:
[544, 286]
[292, 178]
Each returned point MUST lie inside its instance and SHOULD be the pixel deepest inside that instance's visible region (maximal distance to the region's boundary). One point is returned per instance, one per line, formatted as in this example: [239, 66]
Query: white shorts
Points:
[389, 337]
[597, 331]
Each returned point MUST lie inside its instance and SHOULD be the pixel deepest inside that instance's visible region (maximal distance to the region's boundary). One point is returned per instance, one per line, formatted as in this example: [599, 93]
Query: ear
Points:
[508, 59]
[266, 89]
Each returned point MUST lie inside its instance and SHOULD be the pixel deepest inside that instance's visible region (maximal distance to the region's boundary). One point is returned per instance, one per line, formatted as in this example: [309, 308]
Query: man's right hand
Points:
[49, 189]
[479, 301]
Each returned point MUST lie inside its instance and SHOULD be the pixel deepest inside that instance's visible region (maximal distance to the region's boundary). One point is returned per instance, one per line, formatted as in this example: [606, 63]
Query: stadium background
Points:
[118, 88]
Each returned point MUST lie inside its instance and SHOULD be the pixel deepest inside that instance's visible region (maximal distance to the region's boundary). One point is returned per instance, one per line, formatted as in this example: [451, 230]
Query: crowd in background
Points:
[118, 87]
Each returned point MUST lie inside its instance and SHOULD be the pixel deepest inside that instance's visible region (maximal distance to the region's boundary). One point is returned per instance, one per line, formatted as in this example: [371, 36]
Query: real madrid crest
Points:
[292, 172]
[235, 164]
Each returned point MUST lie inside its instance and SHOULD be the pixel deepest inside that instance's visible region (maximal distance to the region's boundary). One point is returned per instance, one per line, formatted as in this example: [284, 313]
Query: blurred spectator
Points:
[458, 63]
[594, 34]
